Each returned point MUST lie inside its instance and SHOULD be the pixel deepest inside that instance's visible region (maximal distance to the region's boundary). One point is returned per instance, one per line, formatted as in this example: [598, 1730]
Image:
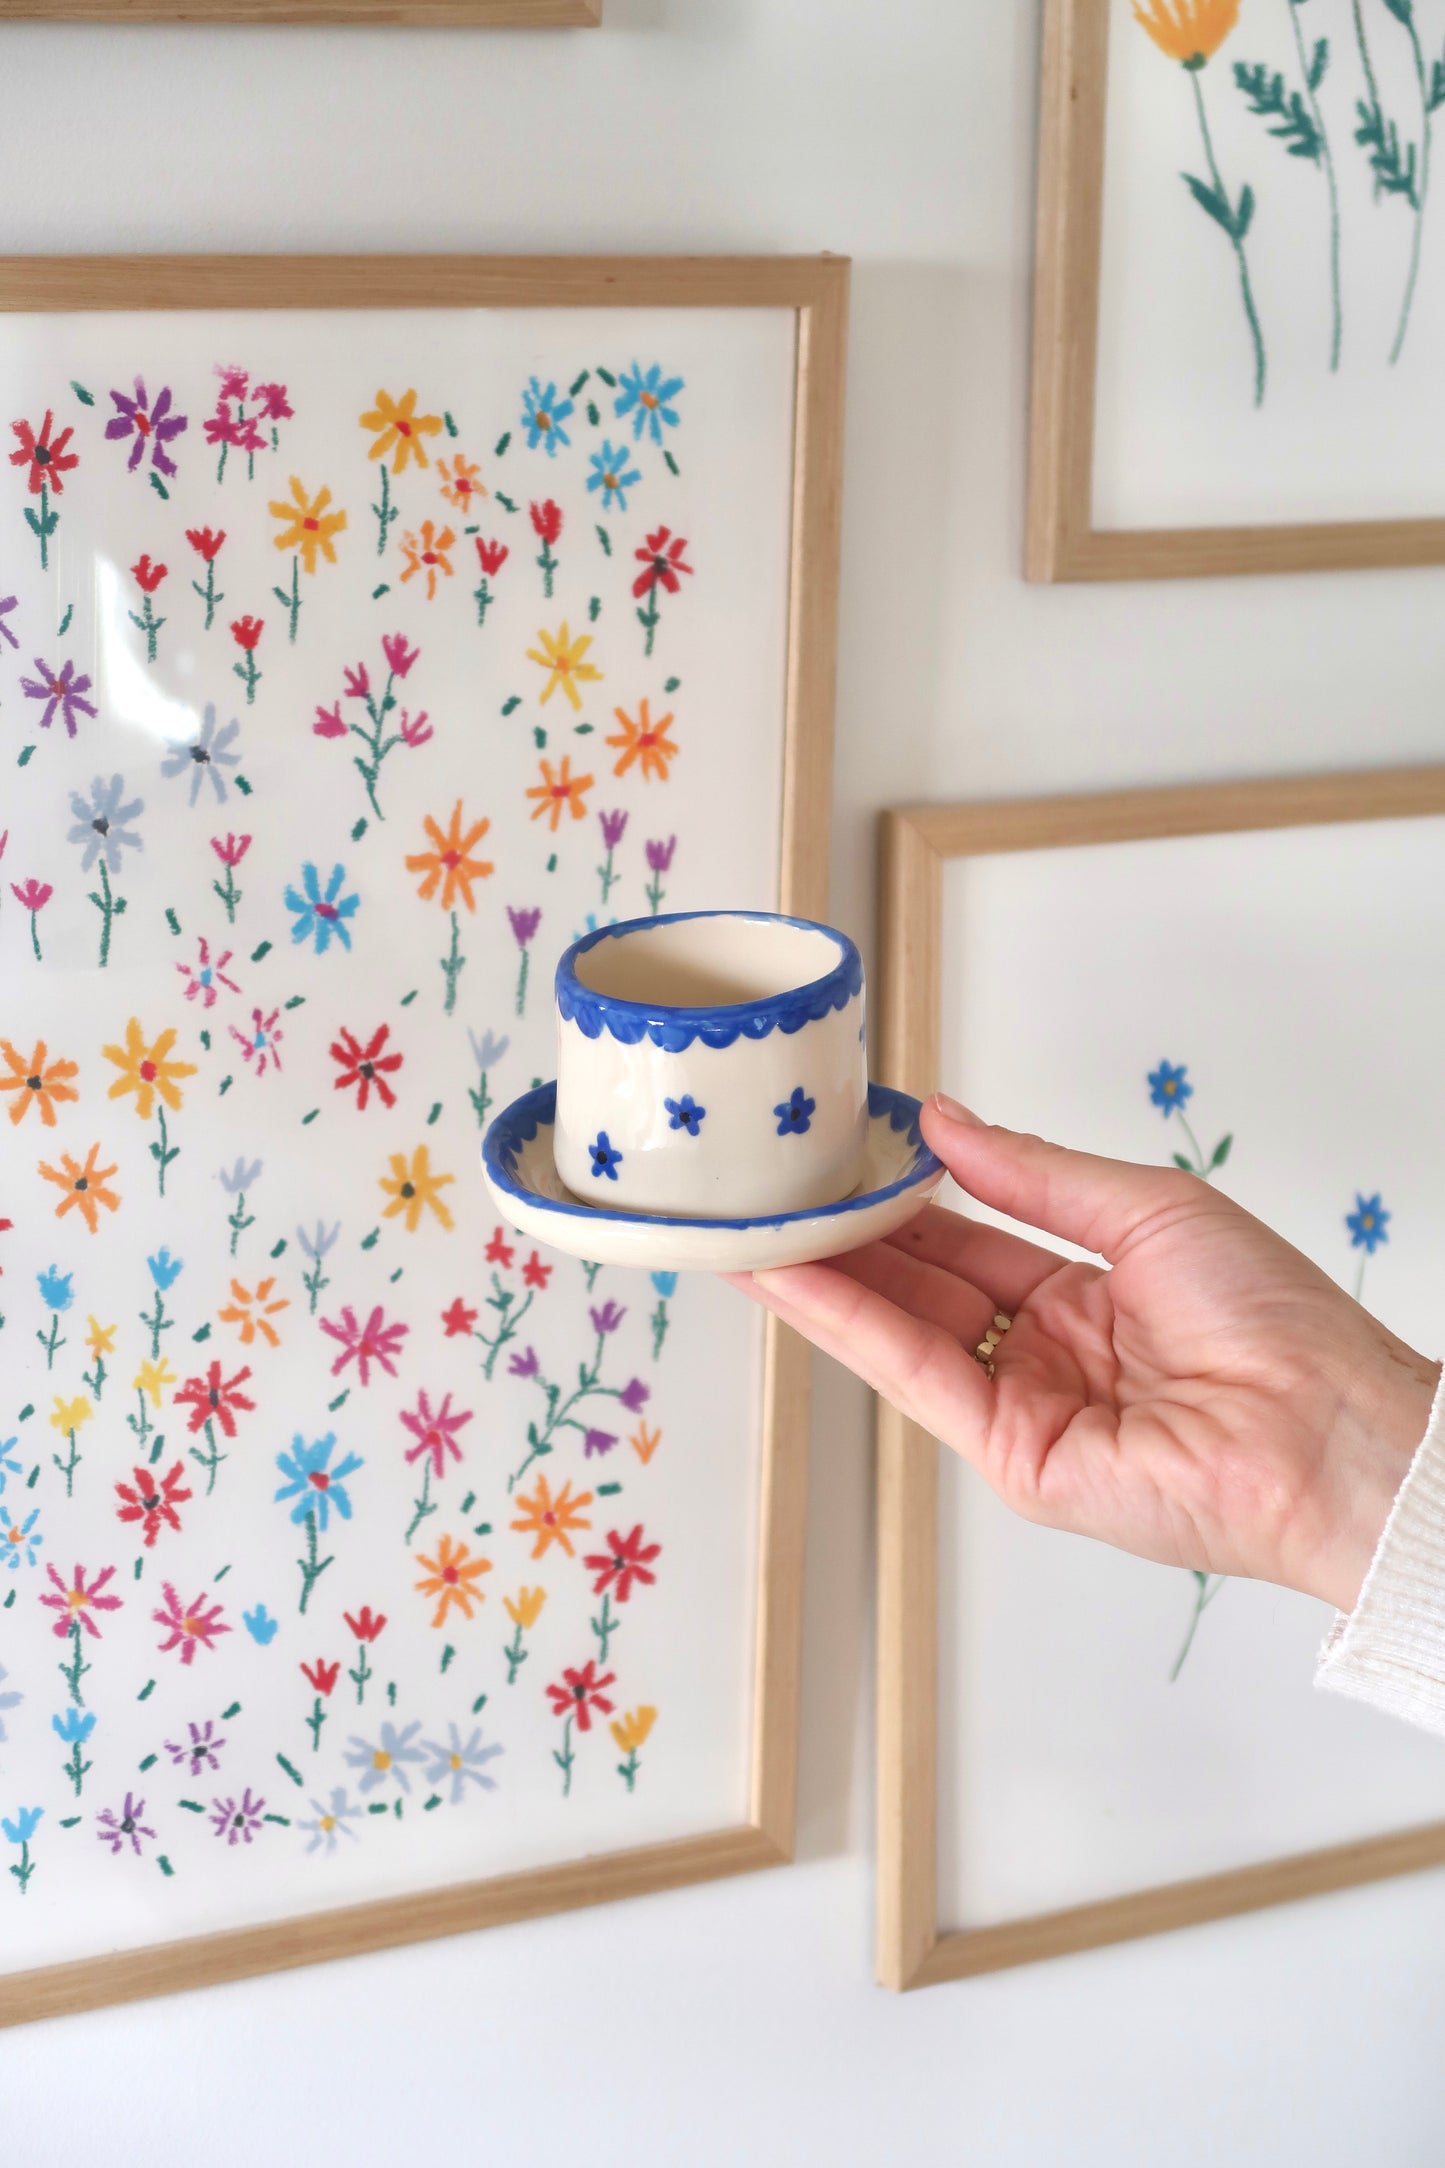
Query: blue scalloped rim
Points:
[675, 1029]
[519, 1123]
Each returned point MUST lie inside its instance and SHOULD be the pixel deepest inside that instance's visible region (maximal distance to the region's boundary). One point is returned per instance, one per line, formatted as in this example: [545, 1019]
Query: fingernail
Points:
[953, 1112]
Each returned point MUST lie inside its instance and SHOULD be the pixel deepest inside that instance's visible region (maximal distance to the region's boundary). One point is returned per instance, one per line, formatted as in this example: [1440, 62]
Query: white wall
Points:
[738, 2023]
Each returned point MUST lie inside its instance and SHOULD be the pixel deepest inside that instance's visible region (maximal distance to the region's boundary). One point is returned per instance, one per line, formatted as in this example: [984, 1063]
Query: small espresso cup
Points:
[711, 1065]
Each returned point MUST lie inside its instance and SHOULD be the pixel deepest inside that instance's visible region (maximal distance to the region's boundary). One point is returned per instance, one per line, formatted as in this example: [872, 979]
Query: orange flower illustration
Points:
[36, 1083]
[461, 484]
[398, 427]
[552, 1520]
[646, 741]
[644, 1442]
[1189, 31]
[253, 1313]
[311, 527]
[428, 554]
[562, 659]
[84, 1186]
[451, 1575]
[145, 1070]
[415, 1187]
[449, 864]
[555, 792]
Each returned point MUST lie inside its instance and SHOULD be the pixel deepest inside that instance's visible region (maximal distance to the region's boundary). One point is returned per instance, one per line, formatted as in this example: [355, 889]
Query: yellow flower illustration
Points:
[146, 1071]
[1190, 31]
[552, 1520]
[631, 1729]
[644, 1442]
[559, 791]
[562, 657]
[448, 863]
[311, 527]
[36, 1082]
[646, 741]
[462, 484]
[152, 1378]
[412, 1187]
[101, 1338]
[70, 1414]
[254, 1312]
[427, 553]
[399, 427]
[450, 1575]
[527, 1607]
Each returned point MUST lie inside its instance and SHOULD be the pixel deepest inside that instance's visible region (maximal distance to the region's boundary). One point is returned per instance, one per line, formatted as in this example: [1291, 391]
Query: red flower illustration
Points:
[328, 723]
[624, 1561]
[498, 1250]
[323, 1676]
[232, 851]
[399, 657]
[366, 1065]
[148, 576]
[582, 1693]
[33, 895]
[663, 559]
[76, 1602]
[493, 556]
[214, 1397]
[152, 1502]
[434, 1433]
[366, 1625]
[535, 1273]
[373, 1342]
[547, 519]
[189, 1625]
[49, 461]
[206, 541]
[246, 631]
[458, 1320]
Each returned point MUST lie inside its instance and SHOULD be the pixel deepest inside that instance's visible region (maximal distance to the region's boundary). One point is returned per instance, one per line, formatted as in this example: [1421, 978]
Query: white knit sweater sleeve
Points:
[1390, 1650]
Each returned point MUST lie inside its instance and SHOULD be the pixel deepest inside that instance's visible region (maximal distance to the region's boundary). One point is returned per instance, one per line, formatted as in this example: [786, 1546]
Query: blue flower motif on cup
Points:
[685, 1113]
[795, 1114]
[605, 1158]
[1367, 1224]
[1169, 1087]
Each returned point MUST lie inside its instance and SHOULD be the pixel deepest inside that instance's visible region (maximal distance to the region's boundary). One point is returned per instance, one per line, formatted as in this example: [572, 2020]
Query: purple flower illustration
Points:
[237, 1820]
[119, 1828]
[149, 422]
[7, 604]
[524, 926]
[635, 1396]
[524, 1366]
[199, 1751]
[659, 861]
[598, 1442]
[613, 825]
[607, 1319]
[58, 689]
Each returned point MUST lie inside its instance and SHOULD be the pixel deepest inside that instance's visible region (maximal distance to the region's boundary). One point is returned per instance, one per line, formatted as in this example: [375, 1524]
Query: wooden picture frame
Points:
[448, 14]
[815, 290]
[1061, 540]
[913, 1949]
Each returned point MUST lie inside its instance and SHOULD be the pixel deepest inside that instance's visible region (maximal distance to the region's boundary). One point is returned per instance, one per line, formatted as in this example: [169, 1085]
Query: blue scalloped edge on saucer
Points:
[900, 1176]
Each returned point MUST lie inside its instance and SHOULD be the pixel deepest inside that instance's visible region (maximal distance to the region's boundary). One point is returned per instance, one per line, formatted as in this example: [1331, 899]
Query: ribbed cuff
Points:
[1390, 1650]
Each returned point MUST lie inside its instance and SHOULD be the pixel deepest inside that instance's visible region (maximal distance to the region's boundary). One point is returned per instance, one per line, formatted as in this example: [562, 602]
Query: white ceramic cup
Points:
[711, 1064]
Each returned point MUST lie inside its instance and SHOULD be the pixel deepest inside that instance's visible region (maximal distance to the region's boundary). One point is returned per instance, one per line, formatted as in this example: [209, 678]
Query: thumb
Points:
[1095, 1202]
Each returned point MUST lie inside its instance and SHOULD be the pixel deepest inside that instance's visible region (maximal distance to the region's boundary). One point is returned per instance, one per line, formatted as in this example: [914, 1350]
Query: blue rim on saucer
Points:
[517, 1162]
[674, 1029]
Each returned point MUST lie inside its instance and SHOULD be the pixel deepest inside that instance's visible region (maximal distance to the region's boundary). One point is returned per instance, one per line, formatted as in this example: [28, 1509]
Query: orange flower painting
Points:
[449, 866]
[644, 741]
[36, 1082]
[552, 1520]
[85, 1185]
[452, 1576]
[426, 554]
[560, 792]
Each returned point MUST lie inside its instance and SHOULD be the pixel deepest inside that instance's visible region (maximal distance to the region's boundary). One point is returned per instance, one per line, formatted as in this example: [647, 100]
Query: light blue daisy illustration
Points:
[205, 755]
[648, 399]
[461, 1763]
[543, 414]
[19, 1540]
[313, 1482]
[334, 1820]
[612, 475]
[390, 1756]
[318, 915]
[103, 823]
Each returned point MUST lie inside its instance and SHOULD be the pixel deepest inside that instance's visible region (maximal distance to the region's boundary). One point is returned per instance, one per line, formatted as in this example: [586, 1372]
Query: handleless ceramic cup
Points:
[711, 1064]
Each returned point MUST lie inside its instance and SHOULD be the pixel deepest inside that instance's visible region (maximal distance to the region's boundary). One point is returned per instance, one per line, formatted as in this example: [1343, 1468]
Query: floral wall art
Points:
[349, 667]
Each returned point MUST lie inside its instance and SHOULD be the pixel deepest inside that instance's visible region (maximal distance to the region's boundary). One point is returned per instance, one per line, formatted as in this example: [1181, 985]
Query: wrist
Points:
[1385, 1416]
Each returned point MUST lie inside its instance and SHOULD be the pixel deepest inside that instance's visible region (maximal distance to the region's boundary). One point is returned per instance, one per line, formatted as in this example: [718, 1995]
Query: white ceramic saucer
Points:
[900, 1175]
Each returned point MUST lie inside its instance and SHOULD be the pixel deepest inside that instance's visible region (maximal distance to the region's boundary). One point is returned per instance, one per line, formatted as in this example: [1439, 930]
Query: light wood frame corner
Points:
[1061, 541]
[915, 843]
[815, 289]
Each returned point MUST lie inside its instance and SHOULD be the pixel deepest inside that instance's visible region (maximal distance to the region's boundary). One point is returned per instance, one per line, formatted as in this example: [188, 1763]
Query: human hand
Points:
[1213, 1400]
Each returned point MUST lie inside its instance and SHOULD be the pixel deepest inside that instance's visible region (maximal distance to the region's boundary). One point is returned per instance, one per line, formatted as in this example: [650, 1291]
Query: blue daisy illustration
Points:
[648, 399]
[320, 916]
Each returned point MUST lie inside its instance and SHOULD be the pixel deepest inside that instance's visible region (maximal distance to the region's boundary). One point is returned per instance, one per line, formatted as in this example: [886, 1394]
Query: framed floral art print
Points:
[1239, 290]
[1077, 1747]
[370, 629]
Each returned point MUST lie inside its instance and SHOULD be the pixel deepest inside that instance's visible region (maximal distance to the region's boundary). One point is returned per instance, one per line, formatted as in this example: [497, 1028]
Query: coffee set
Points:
[711, 1110]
